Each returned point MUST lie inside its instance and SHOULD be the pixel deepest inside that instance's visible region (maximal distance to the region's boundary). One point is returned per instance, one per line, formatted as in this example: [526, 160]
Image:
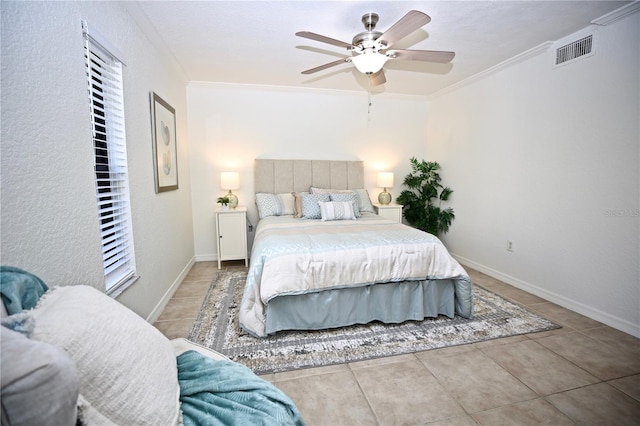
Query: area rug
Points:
[216, 327]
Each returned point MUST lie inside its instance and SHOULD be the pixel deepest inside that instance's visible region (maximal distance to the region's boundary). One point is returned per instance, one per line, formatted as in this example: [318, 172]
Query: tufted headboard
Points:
[280, 176]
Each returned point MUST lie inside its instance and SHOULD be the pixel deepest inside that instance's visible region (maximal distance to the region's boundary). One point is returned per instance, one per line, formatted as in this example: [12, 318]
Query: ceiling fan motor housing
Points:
[366, 39]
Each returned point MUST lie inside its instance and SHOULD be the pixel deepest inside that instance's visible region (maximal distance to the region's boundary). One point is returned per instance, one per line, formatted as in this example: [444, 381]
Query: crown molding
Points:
[617, 14]
[541, 48]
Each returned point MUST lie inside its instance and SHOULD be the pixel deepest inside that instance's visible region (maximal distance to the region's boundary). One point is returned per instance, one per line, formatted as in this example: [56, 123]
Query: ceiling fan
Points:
[370, 49]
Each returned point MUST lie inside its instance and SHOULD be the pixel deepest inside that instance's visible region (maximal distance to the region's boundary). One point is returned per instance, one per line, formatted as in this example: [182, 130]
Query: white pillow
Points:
[127, 367]
[336, 210]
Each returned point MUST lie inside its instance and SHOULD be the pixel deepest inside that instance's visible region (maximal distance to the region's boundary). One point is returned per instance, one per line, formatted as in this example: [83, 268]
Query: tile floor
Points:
[584, 373]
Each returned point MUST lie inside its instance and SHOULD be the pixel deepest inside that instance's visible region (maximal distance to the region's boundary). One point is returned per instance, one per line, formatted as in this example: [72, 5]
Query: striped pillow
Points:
[336, 210]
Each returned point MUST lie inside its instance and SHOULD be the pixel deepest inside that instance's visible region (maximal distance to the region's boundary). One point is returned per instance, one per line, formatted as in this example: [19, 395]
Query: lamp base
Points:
[384, 198]
[233, 200]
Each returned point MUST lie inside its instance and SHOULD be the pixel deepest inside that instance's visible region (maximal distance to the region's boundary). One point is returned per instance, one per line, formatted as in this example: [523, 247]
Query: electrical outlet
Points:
[509, 245]
[250, 228]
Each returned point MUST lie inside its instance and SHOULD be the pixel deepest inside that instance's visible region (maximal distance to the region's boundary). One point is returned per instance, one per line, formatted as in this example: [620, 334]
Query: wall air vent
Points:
[574, 50]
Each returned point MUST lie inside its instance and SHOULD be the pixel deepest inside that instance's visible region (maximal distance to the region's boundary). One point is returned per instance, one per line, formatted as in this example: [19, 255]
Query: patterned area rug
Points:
[217, 327]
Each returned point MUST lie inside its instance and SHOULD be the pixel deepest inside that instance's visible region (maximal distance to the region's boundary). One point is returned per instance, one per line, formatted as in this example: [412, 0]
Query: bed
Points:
[344, 265]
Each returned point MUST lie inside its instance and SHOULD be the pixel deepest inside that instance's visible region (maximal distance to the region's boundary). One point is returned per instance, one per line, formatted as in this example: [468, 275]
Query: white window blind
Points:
[104, 74]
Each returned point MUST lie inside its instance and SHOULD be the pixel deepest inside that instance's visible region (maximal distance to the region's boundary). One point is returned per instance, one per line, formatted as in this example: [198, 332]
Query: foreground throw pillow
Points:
[127, 368]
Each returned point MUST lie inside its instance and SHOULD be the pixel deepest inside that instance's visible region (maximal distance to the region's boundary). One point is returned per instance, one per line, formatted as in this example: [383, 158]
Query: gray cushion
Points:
[40, 382]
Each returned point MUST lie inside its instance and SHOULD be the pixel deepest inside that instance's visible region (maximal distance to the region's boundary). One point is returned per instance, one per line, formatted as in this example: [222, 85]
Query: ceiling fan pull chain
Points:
[369, 101]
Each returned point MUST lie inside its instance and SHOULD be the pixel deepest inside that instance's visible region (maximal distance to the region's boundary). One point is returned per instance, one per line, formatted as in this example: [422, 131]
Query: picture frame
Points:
[165, 150]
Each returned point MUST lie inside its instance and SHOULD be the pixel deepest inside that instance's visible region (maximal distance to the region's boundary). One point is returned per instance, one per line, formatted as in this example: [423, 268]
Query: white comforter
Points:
[295, 256]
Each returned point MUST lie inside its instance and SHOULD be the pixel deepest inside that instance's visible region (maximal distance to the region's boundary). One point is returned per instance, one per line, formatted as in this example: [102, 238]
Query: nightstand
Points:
[389, 211]
[231, 234]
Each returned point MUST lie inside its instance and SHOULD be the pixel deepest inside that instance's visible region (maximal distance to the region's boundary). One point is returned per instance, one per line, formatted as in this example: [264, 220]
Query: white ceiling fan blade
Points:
[440, 56]
[324, 39]
[325, 66]
[410, 22]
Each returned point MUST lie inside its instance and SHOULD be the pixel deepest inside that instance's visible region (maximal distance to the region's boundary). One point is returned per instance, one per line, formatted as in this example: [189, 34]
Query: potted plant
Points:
[422, 201]
[224, 202]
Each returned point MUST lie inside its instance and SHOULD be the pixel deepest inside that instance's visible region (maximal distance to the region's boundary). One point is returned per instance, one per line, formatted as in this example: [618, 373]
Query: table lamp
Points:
[230, 180]
[385, 180]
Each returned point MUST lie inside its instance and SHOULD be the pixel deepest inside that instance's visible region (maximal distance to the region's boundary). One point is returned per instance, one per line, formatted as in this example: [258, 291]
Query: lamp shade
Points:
[230, 180]
[385, 179]
[369, 62]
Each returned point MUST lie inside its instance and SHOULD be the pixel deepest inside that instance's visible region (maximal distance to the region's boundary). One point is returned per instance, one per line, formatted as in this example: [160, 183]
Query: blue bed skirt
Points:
[391, 303]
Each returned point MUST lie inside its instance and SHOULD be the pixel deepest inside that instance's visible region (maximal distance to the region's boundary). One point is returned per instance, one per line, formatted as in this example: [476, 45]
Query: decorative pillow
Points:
[365, 201]
[352, 197]
[298, 203]
[288, 203]
[40, 382]
[310, 206]
[274, 204]
[316, 190]
[127, 368]
[336, 210]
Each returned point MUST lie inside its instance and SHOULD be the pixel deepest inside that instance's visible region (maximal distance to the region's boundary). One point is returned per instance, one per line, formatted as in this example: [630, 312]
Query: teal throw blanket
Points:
[215, 392]
[20, 289]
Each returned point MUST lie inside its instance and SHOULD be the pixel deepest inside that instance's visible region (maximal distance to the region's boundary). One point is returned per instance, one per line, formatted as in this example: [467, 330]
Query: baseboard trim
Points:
[164, 301]
[206, 257]
[589, 311]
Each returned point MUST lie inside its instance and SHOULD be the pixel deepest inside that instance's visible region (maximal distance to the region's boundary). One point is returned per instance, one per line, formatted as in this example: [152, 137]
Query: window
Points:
[106, 102]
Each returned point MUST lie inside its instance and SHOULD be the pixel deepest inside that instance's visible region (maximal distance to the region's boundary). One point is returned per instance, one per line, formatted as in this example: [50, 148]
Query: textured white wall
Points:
[231, 125]
[49, 216]
[48, 226]
[548, 158]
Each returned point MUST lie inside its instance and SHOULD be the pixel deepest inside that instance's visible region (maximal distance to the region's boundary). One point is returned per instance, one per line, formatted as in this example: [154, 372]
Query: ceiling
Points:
[254, 42]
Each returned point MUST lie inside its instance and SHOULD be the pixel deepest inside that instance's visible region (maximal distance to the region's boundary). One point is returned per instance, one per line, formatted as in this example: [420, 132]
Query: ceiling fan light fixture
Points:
[369, 62]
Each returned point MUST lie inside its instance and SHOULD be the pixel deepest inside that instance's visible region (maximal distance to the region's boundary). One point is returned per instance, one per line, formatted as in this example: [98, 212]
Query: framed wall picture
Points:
[165, 152]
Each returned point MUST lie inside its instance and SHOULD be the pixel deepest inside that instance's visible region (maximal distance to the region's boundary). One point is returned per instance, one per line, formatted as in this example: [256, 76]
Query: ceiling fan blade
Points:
[378, 78]
[421, 55]
[325, 66]
[324, 39]
[406, 25]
